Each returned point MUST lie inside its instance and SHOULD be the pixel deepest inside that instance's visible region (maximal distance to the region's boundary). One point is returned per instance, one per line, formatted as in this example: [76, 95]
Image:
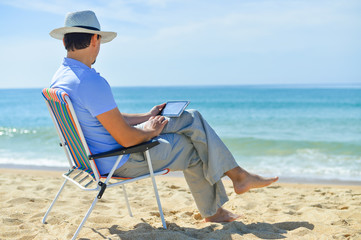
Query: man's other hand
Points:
[155, 124]
[156, 110]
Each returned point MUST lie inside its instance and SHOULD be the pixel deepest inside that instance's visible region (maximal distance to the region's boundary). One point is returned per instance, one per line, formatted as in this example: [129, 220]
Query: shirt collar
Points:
[73, 62]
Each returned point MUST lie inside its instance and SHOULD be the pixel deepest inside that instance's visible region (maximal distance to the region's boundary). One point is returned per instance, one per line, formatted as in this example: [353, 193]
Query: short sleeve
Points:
[96, 95]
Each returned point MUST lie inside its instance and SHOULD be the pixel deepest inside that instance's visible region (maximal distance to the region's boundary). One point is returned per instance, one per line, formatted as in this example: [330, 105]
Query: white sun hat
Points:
[82, 22]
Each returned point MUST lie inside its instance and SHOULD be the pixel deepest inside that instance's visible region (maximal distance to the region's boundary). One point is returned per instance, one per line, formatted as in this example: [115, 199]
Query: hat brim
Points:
[59, 33]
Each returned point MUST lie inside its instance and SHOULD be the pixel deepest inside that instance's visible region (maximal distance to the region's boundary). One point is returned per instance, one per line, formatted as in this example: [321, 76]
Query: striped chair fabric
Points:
[60, 108]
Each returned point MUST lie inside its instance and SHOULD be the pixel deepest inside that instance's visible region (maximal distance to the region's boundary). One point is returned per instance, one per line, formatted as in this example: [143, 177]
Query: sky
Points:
[184, 42]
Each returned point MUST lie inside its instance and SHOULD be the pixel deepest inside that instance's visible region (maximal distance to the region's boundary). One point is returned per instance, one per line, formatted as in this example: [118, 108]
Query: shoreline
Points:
[178, 174]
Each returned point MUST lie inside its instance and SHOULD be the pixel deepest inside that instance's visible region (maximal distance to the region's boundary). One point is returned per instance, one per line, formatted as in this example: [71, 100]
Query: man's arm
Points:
[126, 135]
[137, 118]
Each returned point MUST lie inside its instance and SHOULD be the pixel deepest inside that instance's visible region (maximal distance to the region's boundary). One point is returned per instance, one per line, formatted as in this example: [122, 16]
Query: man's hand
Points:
[134, 119]
[127, 135]
[155, 124]
[156, 110]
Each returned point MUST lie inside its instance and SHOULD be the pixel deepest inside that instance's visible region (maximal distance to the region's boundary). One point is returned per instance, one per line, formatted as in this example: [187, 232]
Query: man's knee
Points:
[194, 113]
[188, 116]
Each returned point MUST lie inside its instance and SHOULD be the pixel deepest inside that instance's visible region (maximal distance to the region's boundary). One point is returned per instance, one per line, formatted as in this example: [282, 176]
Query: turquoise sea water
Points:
[294, 132]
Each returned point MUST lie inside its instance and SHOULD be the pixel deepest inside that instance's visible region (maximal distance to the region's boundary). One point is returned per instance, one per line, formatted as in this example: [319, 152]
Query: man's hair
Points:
[75, 41]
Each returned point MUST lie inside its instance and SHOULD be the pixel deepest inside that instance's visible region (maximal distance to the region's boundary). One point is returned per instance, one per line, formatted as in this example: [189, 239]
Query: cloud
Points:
[165, 13]
[253, 26]
[122, 10]
[258, 27]
[55, 7]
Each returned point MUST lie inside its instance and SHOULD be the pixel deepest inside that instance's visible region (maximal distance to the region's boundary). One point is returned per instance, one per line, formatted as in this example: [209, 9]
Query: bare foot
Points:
[222, 215]
[244, 181]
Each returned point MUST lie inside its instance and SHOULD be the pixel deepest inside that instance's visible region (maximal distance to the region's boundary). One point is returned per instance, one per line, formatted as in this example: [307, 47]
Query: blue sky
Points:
[183, 42]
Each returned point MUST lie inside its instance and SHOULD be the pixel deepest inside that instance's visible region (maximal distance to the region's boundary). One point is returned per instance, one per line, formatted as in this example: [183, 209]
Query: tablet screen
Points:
[174, 108]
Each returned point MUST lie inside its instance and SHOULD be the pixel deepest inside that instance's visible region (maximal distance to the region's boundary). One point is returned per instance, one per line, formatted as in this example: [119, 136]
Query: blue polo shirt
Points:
[91, 95]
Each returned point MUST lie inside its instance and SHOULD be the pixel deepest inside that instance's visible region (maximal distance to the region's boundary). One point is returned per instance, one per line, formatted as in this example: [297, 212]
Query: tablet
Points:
[174, 108]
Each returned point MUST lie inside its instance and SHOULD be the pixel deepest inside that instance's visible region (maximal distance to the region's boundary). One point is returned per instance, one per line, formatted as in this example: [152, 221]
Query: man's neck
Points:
[81, 56]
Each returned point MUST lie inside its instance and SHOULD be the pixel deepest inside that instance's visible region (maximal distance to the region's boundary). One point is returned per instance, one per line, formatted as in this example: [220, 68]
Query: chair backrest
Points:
[69, 130]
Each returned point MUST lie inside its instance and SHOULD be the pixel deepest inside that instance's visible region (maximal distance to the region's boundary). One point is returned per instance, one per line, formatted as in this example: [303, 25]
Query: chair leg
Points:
[127, 201]
[86, 217]
[155, 188]
[56, 198]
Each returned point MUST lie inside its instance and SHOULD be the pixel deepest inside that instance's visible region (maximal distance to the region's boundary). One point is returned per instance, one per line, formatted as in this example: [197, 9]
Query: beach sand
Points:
[292, 211]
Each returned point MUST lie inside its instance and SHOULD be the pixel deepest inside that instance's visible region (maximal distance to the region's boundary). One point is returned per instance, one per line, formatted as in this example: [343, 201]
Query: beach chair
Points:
[83, 170]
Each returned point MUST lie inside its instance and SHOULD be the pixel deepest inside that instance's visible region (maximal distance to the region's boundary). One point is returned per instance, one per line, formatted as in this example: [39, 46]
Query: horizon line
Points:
[343, 85]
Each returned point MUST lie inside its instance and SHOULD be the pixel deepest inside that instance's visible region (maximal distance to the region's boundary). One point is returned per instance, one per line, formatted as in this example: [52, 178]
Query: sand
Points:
[281, 211]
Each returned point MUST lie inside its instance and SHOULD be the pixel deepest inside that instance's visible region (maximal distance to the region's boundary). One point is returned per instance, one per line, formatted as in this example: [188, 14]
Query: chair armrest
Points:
[121, 151]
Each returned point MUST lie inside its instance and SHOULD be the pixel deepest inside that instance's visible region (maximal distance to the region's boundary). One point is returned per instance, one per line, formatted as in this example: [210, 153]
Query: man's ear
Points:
[63, 42]
[94, 40]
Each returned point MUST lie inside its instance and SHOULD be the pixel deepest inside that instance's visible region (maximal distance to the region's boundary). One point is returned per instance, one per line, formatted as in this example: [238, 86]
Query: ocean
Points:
[295, 132]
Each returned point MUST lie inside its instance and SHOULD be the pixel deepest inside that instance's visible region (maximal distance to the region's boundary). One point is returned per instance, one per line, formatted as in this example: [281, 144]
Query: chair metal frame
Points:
[74, 175]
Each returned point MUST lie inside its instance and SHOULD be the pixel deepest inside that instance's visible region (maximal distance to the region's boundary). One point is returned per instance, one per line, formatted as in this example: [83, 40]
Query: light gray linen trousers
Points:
[189, 144]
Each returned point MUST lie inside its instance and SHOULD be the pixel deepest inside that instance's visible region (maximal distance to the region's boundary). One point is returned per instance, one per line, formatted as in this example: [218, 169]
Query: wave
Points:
[250, 146]
[298, 159]
[38, 161]
[305, 164]
[39, 147]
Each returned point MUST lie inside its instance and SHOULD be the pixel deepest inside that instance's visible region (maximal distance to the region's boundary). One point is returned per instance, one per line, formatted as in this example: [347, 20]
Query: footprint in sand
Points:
[12, 221]
[102, 207]
[155, 214]
[138, 198]
[167, 195]
[251, 205]
[37, 216]
[40, 187]
[317, 205]
[187, 214]
[198, 216]
[343, 207]
[172, 212]
[21, 200]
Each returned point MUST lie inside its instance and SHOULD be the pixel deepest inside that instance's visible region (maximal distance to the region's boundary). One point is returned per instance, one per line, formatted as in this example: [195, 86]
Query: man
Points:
[187, 143]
